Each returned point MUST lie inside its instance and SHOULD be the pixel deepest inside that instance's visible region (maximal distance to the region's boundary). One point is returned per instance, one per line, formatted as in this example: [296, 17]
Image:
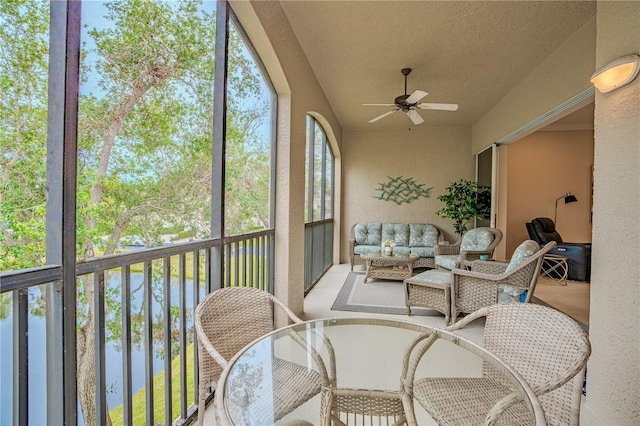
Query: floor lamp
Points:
[568, 198]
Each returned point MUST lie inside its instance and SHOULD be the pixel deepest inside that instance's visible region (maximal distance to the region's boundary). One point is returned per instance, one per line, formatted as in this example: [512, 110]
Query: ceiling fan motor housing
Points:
[400, 100]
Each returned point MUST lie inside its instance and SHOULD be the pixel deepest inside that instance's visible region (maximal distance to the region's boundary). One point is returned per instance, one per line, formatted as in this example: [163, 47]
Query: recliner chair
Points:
[543, 230]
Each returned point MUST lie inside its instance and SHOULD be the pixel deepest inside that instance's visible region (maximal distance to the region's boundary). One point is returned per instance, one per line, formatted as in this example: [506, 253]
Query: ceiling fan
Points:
[409, 103]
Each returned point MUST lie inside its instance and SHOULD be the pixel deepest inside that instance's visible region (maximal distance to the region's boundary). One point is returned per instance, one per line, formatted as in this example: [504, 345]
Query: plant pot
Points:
[388, 251]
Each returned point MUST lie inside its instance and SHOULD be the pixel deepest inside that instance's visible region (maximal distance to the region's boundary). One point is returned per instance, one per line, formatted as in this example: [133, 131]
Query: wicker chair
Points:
[546, 347]
[226, 321]
[487, 282]
[467, 249]
[347, 406]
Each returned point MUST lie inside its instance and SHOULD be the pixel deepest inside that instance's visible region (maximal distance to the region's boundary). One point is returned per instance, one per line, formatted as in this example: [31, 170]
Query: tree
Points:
[465, 200]
[144, 136]
[23, 127]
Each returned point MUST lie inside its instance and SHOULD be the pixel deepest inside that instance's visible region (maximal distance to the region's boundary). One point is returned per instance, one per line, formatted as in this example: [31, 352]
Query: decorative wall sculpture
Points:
[401, 190]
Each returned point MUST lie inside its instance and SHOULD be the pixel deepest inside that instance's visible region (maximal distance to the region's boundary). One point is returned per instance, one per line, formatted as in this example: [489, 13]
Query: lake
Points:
[37, 352]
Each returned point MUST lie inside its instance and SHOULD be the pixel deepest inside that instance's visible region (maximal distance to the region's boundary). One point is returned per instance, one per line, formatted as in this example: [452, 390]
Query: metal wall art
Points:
[401, 190]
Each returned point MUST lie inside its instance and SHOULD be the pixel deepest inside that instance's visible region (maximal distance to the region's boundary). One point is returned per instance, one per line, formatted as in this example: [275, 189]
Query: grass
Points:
[138, 401]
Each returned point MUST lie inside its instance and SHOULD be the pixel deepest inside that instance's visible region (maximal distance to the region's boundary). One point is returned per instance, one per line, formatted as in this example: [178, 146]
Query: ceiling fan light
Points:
[616, 74]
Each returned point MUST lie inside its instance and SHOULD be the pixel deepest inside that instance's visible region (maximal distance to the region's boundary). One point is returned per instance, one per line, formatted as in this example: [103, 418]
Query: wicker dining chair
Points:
[230, 318]
[487, 282]
[546, 347]
[349, 406]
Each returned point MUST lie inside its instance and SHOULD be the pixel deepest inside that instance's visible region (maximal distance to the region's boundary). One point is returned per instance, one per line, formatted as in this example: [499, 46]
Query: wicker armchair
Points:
[472, 245]
[546, 347]
[230, 318]
[487, 282]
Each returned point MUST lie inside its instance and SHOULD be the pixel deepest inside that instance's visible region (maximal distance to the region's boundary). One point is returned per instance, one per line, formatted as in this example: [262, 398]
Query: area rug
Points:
[386, 297]
[375, 296]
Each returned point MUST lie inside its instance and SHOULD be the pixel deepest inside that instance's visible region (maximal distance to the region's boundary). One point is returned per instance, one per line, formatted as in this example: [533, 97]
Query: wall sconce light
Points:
[616, 74]
[568, 198]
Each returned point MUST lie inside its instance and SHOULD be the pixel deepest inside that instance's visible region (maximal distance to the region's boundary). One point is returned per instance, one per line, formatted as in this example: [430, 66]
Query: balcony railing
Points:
[139, 303]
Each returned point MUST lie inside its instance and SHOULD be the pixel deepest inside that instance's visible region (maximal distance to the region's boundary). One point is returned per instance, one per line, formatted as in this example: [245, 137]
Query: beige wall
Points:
[434, 156]
[613, 381]
[564, 74]
[540, 168]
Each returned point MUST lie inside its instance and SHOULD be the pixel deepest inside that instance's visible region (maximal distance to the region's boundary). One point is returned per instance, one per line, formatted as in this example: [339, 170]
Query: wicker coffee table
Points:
[394, 267]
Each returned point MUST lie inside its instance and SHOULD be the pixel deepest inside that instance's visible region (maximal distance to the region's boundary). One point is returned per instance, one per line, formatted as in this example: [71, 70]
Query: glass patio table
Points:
[353, 354]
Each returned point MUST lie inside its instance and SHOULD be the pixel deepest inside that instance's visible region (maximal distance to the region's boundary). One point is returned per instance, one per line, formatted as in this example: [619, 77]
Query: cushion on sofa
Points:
[368, 233]
[396, 232]
[423, 251]
[423, 235]
[366, 249]
[401, 251]
[476, 239]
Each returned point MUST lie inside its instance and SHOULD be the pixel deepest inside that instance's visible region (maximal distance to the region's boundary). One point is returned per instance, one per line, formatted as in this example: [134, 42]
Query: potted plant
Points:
[465, 200]
[387, 247]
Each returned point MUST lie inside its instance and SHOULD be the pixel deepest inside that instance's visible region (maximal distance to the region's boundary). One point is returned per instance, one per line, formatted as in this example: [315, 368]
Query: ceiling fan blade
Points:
[416, 96]
[443, 107]
[415, 117]
[387, 105]
[383, 115]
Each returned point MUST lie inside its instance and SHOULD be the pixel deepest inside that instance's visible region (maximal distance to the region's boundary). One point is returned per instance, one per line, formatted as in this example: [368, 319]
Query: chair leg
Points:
[201, 409]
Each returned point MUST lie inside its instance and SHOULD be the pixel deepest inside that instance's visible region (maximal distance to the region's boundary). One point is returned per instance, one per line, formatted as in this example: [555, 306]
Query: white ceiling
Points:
[467, 52]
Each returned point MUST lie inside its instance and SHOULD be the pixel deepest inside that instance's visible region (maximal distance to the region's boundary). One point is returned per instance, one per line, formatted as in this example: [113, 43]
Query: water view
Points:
[37, 352]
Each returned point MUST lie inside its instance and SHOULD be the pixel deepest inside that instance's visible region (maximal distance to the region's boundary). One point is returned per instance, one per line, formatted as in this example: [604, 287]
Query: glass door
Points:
[486, 179]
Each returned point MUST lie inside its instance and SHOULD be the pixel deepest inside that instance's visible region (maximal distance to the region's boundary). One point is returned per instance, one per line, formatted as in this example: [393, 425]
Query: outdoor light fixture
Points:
[618, 73]
[568, 198]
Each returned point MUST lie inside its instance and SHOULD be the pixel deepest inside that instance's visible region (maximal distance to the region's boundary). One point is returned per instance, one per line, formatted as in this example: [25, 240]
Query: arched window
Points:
[319, 179]
[319, 185]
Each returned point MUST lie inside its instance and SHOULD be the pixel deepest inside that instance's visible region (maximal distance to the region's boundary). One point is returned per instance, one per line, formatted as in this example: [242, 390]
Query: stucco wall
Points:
[560, 77]
[542, 167]
[613, 381]
[299, 93]
[434, 156]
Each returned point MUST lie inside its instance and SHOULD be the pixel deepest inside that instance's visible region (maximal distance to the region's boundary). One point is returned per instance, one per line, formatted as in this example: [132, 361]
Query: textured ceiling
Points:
[471, 53]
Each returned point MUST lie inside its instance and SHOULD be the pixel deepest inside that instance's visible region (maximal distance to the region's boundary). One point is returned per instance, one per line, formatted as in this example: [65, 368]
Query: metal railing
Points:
[318, 251]
[141, 303]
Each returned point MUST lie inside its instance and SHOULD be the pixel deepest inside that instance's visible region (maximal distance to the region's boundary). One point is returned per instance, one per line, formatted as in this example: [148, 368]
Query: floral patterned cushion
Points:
[448, 261]
[508, 294]
[366, 249]
[422, 235]
[396, 232]
[522, 253]
[476, 239]
[368, 233]
[401, 251]
[423, 251]
[437, 277]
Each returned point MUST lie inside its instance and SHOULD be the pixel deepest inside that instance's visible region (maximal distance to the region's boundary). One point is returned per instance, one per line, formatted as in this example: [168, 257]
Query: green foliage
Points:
[144, 136]
[465, 201]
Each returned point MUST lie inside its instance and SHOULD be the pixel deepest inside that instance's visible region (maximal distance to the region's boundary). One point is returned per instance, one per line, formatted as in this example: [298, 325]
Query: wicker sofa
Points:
[410, 238]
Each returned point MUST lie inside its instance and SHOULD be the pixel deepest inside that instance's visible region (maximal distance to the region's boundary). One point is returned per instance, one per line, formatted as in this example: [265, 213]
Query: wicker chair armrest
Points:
[208, 346]
[462, 274]
[488, 267]
[444, 249]
[474, 255]
[286, 310]
[482, 312]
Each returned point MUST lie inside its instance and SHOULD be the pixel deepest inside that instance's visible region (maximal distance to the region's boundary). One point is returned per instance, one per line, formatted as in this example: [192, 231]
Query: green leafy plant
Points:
[465, 201]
